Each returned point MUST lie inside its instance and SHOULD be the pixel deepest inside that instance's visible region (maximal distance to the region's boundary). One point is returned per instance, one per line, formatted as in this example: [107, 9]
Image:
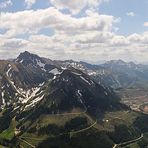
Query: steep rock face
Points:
[15, 81]
[35, 62]
[26, 83]
[70, 90]
[21, 78]
[79, 88]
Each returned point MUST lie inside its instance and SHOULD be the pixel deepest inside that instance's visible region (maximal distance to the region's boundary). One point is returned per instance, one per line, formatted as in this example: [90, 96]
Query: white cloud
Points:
[5, 4]
[71, 33]
[119, 41]
[75, 6]
[32, 21]
[88, 38]
[139, 38]
[132, 14]
[29, 3]
[145, 24]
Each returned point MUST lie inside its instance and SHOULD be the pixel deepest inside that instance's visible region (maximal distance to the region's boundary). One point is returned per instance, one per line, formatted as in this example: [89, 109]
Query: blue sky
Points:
[119, 8]
[89, 30]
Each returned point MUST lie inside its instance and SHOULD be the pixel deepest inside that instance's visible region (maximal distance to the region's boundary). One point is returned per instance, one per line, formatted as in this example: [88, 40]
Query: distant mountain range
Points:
[115, 73]
[26, 79]
[39, 96]
[59, 86]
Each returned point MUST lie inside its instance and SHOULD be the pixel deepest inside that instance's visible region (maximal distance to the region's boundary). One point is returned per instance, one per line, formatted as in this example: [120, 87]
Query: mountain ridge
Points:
[54, 100]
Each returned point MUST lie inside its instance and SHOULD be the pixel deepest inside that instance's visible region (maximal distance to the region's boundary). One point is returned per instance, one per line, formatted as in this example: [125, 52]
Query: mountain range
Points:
[26, 79]
[114, 73]
[37, 93]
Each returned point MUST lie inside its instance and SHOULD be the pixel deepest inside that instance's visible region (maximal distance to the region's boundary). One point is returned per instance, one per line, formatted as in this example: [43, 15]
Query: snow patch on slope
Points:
[55, 71]
[35, 101]
[86, 80]
[40, 64]
[8, 71]
[3, 100]
[30, 94]
[79, 96]
[21, 61]
[78, 74]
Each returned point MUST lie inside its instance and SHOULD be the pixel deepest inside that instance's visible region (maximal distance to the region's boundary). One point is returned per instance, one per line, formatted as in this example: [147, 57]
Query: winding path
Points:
[128, 142]
[27, 142]
[82, 130]
[71, 132]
